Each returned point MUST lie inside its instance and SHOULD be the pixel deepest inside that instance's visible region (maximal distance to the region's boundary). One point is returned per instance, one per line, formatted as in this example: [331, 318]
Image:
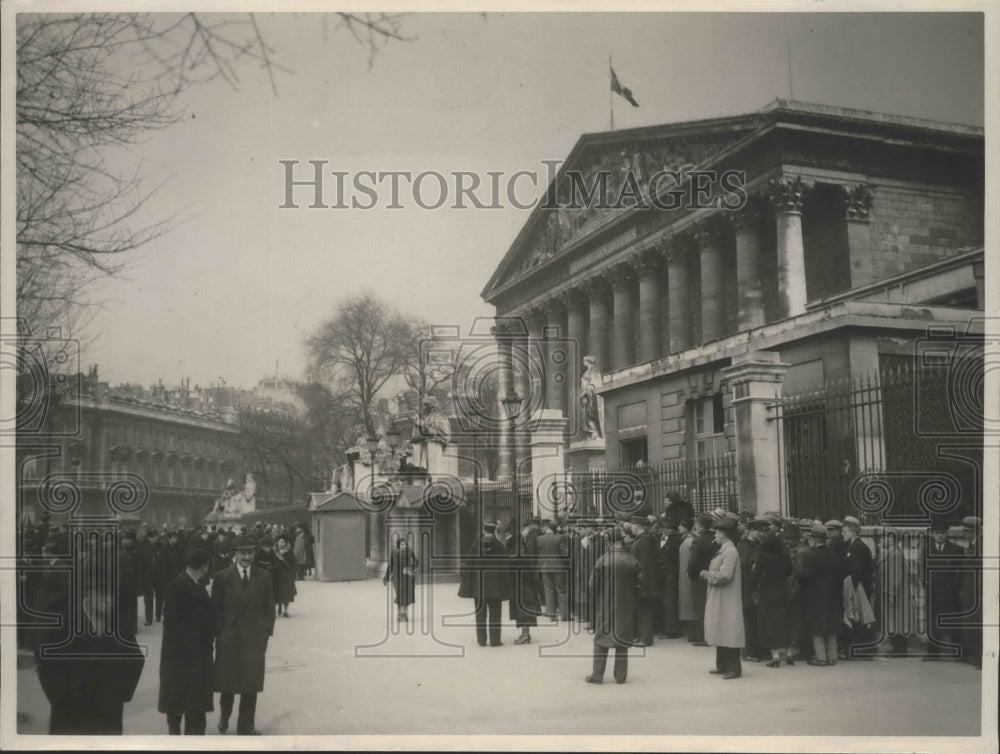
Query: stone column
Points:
[505, 383]
[678, 292]
[756, 378]
[713, 303]
[558, 357]
[576, 306]
[650, 271]
[623, 348]
[600, 321]
[750, 291]
[525, 370]
[786, 195]
[857, 206]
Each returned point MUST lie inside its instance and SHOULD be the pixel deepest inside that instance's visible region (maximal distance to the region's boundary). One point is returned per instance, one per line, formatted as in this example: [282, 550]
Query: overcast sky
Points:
[240, 283]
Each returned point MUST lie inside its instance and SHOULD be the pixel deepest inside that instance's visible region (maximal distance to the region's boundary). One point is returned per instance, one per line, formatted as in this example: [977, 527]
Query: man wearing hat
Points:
[488, 586]
[243, 596]
[747, 550]
[615, 581]
[669, 564]
[703, 549]
[645, 549]
[943, 582]
[820, 578]
[553, 559]
[859, 566]
[86, 669]
[724, 627]
[970, 593]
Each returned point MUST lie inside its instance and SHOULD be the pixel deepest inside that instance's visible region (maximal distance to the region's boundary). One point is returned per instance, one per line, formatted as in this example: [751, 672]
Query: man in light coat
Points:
[724, 627]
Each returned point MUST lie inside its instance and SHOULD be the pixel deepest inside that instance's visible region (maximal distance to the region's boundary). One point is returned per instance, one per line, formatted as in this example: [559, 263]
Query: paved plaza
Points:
[334, 668]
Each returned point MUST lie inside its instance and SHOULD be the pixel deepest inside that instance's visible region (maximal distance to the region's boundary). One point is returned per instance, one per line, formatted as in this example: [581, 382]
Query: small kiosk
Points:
[338, 524]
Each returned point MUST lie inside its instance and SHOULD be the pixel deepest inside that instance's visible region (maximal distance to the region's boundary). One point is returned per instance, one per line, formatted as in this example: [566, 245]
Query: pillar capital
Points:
[745, 219]
[597, 285]
[677, 249]
[508, 328]
[554, 308]
[574, 299]
[536, 319]
[787, 194]
[621, 274]
[648, 262]
[857, 201]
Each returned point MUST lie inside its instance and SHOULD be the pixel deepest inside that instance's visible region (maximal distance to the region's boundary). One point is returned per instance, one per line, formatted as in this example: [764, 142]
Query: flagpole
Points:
[611, 94]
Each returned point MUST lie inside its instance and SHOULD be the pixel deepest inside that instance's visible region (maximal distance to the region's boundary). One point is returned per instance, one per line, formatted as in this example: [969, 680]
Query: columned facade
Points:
[713, 304]
[787, 195]
[623, 349]
[678, 294]
[750, 291]
[600, 321]
[650, 272]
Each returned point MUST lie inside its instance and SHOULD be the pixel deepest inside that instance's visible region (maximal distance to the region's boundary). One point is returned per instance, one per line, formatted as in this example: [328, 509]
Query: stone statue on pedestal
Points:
[431, 433]
[591, 404]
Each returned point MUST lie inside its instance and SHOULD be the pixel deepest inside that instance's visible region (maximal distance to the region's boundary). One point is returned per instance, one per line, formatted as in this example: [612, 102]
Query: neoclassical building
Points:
[799, 247]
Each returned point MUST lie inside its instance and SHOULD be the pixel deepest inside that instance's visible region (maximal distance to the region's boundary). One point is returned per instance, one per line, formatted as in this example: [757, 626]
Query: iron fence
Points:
[887, 448]
[707, 484]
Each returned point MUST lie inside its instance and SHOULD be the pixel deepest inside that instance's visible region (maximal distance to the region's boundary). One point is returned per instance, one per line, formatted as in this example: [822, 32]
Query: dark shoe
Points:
[223, 725]
[593, 679]
[523, 639]
[731, 676]
[816, 663]
[716, 672]
[831, 663]
[158, 618]
[481, 643]
[774, 664]
[251, 732]
[284, 614]
[619, 680]
[789, 661]
[148, 623]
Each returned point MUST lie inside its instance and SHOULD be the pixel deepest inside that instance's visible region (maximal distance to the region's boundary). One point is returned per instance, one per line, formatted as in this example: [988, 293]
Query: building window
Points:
[632, 451]
[707, 426]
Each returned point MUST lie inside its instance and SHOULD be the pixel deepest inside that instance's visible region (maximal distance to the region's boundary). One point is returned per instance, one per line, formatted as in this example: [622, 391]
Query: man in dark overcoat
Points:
[482, 580]
[87, 667]
[646, 549]
[186, 672]
[243, 596]
[859, 565]
[943, 581]
[747, 550]
[669, 564]
[820, 576]
[703, 549]
[616, 580]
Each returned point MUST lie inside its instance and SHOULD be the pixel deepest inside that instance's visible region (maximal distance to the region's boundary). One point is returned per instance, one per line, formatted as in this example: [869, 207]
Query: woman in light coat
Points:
[724, 627]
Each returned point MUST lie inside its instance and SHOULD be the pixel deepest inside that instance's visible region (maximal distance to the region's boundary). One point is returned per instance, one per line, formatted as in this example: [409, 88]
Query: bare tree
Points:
[87, 83]
[359, 350]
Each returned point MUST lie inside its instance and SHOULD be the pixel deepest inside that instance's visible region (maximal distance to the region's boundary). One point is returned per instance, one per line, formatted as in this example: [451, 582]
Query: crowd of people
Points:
[765, 589]
[217, 592]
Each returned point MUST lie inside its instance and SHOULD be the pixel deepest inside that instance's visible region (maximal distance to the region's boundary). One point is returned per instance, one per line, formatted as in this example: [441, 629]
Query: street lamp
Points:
[371, 442]
[392, 437]
[512, 407]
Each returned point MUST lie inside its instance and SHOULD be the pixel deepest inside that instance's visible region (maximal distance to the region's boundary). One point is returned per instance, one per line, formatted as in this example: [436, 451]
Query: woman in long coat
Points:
[402, 572]
[820, 576]
[769, 589]
[299, 550]
[703, 549]
[724, 627]
[283, 574]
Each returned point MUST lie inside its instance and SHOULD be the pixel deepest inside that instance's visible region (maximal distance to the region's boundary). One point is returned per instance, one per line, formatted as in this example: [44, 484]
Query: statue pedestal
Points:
[433, 456]
[548, 471]
[585, 455]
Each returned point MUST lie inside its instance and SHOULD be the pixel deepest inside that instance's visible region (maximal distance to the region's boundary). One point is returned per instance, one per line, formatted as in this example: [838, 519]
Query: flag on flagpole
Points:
[624, 91]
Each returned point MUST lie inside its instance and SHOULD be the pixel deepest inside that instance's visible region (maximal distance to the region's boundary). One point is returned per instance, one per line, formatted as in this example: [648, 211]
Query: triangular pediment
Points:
[612, 163]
